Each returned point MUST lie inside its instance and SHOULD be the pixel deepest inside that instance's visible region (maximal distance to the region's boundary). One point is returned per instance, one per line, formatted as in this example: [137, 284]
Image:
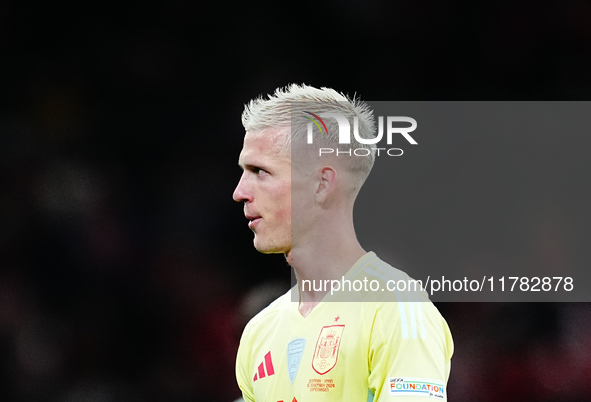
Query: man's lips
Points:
[254, 220]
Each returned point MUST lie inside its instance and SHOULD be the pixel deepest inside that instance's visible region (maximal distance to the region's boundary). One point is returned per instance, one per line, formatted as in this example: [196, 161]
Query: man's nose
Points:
[241, 193]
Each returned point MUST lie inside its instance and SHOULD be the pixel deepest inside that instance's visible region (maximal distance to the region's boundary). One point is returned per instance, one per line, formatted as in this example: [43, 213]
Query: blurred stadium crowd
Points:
[126, 270]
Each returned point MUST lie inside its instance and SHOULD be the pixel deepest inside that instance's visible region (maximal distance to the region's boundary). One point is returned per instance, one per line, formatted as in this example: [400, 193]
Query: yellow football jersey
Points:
[374, 348]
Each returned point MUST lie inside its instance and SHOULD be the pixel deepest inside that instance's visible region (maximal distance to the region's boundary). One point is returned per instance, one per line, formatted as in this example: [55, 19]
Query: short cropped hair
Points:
[276, 111]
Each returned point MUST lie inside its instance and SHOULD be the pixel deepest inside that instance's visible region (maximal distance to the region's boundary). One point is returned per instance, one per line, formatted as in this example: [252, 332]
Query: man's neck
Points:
[318, 265]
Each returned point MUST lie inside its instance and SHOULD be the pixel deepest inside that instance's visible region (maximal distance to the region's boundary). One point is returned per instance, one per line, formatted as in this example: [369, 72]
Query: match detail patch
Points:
[413, 386]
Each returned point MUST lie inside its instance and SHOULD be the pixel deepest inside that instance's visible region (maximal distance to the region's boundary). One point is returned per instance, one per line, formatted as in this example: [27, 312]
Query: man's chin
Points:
[268, 248]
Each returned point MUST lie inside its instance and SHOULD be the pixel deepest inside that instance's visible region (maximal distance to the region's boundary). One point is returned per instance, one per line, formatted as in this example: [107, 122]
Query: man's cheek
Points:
[285, 215]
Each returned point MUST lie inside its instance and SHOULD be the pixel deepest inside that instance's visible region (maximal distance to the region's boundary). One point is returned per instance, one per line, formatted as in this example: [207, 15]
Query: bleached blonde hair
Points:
[282, 110]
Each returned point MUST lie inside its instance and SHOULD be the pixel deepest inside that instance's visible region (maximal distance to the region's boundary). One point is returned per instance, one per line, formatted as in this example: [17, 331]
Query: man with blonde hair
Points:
[298, 186]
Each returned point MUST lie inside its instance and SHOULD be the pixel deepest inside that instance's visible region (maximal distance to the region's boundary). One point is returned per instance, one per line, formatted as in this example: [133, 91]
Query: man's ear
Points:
[326, 184]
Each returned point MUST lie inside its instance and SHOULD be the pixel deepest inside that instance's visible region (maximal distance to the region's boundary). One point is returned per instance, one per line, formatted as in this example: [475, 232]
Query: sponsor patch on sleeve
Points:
[413, 386]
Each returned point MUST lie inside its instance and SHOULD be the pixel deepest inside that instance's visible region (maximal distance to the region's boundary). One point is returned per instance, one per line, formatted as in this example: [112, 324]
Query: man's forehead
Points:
[264, 143]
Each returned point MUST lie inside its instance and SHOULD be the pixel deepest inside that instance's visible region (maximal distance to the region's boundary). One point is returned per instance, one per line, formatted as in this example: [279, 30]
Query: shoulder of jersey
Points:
[271, 311]
[383, 272]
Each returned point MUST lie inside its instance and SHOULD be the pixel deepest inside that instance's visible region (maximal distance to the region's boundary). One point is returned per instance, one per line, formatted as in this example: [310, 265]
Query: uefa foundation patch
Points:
[412, 386]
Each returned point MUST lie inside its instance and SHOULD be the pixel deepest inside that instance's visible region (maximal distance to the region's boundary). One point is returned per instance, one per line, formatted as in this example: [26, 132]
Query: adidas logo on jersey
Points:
[266, 364]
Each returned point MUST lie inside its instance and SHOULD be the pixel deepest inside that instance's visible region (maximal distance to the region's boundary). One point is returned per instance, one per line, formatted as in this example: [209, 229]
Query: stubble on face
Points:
[267, 182]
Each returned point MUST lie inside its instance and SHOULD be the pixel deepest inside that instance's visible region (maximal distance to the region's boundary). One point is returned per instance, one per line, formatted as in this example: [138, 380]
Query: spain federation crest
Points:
[326, 352]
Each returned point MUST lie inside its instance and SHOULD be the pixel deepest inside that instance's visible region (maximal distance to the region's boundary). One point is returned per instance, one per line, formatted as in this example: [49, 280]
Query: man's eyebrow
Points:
[246, 166]
[249, 166]
[242, 165]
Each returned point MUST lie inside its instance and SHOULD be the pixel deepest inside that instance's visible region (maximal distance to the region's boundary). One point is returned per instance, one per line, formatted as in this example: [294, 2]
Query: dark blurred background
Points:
[126, 270]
